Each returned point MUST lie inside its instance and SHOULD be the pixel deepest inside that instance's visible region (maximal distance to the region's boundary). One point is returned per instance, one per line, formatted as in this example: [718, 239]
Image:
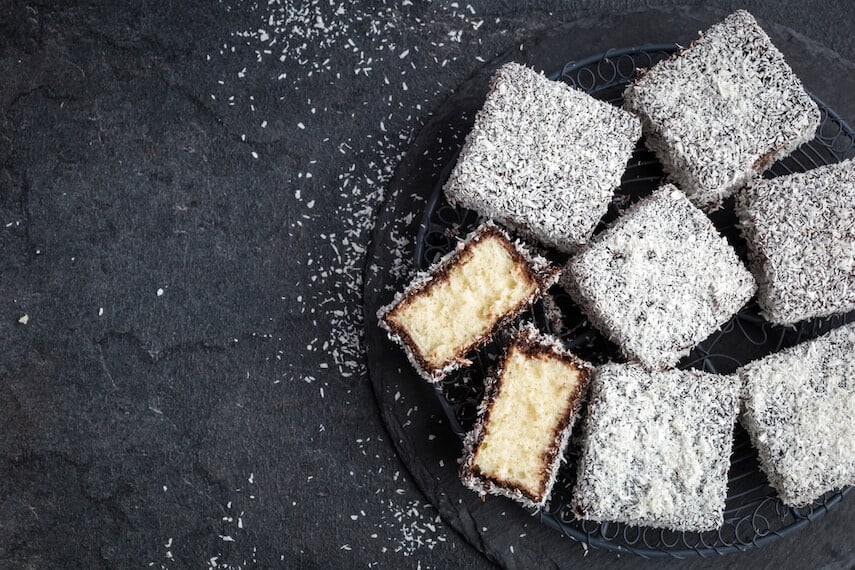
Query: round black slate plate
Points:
[753, 514]
[418, 427]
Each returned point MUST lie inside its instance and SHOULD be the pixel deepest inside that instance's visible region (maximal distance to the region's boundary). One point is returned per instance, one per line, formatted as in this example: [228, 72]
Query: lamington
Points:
[543, 158]
[660, 280]
[800, 231]
[722, 110]
[461, 301]
[798, 406]
[656, 448]
[531, 404]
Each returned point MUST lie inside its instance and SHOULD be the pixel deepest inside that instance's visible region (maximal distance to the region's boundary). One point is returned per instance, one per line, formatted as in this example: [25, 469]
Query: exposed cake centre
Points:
[487, 284]
[521, 428]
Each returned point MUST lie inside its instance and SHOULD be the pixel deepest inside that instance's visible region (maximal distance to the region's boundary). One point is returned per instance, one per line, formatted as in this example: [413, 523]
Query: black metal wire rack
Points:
[753, 515]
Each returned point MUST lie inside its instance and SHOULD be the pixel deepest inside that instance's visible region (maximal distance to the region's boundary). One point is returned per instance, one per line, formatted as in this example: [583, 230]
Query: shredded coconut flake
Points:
[800, 231]
[529, 159]
[798, 406]
[660, 280]
[657, 448]
[723, 110]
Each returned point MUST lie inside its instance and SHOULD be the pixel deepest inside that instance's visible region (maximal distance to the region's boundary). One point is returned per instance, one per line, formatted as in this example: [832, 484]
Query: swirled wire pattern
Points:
[753, 515]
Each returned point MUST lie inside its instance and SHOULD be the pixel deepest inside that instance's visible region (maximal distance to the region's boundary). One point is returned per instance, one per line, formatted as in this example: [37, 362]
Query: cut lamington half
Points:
[800, 231]
[460, 302]
[722, 110]
[543, 158]
[531, 404]
[798, 406]
[656, 448]
[660, 280]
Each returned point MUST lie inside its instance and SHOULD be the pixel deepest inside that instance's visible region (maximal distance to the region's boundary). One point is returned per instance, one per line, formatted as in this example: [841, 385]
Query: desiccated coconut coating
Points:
[543, 158]
[800, 231]
[722, 110]
[660, 280]
[530, 406]
[656, 448]
[798, 407]
[462, 300]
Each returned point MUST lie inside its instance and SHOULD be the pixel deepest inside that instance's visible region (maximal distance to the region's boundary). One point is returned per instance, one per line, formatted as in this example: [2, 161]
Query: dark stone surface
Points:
[229, 420]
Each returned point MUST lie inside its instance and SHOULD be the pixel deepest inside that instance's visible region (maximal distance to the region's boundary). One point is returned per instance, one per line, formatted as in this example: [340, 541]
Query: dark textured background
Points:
[229, 421]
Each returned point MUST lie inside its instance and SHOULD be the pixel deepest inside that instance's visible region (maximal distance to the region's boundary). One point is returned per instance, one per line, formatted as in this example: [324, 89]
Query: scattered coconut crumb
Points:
[318, 38]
